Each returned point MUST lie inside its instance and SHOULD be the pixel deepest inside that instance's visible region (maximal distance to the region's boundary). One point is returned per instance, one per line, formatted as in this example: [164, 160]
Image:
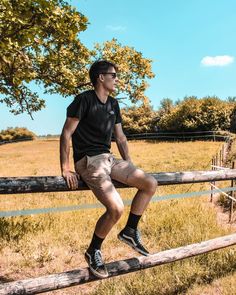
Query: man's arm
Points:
[121, 142]
[67, 131]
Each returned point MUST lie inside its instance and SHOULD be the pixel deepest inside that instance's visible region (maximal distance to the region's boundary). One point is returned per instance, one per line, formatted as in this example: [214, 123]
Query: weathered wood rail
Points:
[16, 185]
[117, 268]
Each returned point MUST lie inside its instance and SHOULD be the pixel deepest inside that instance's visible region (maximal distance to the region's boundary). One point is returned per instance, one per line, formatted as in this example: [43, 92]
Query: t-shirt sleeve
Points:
[77, 108]
[118, 114]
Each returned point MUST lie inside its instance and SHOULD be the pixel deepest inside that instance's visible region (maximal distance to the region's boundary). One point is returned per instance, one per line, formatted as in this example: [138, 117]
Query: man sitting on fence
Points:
[91, 119]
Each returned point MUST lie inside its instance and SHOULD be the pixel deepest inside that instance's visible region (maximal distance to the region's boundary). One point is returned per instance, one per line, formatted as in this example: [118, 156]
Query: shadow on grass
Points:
[184, 282]
[14, 229]
[5, 280]
[218, 271]
[199, 282]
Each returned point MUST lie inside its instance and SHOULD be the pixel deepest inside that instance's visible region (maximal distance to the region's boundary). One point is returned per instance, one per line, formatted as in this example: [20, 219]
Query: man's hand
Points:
[71, 179]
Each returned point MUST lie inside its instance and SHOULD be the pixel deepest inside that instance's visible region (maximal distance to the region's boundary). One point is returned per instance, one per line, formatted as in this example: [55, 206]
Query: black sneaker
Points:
[96, 264]
[132, 237]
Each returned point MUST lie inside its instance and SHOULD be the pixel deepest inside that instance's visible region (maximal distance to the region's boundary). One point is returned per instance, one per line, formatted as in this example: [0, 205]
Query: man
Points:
[91, 119]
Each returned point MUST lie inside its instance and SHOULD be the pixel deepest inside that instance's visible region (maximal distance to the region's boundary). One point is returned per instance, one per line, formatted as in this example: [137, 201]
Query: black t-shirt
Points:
[96, 123]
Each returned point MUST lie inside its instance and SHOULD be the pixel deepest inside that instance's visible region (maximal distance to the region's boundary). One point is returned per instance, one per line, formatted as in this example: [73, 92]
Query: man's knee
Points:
[116, 211]
[150, 184]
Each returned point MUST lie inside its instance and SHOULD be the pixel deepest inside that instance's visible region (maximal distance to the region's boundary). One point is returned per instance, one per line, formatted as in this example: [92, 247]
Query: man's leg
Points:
[114, 209]
[96, 175]
[146, 185]
[127, 173]
[113, 204]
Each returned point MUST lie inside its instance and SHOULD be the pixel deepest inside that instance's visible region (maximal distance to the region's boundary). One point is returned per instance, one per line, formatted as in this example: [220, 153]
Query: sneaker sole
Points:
[132, 246]
[93, 271]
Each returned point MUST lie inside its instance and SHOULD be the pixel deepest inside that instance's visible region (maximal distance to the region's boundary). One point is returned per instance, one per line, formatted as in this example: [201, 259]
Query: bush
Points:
[16, 133]
[138, 119]
[193, 114]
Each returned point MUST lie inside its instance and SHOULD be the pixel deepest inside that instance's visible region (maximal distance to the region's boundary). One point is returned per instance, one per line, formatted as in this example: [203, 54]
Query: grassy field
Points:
[48, 243]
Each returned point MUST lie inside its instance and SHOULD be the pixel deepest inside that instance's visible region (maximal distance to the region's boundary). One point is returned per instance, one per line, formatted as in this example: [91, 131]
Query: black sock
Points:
[95, 243]
[133, 220]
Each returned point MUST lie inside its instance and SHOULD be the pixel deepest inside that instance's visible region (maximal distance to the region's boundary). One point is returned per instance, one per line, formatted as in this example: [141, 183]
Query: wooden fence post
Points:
[221, 158]
[223, 153]
[232, 194]
[217, 158]
[212, 168]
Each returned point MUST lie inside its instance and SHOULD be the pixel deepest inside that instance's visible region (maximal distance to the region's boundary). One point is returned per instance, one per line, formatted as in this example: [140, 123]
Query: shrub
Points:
[16, 133]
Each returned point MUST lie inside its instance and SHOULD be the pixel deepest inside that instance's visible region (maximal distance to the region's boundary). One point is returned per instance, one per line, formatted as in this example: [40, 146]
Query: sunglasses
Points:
[113, 75]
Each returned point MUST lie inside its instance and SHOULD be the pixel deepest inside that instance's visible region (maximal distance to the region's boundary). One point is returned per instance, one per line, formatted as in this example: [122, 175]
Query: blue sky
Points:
[192, 44]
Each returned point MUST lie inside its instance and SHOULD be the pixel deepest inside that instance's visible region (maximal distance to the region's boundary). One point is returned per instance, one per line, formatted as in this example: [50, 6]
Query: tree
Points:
[134, 69]
[138, 119]
[233, 120]
[231, 99]
[39, 43]
[192, 114]
[182, 117]
[215, 113]
[166, 105]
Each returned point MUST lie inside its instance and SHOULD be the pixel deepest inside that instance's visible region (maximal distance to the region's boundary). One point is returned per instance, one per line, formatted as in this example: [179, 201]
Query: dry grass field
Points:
[35, 245]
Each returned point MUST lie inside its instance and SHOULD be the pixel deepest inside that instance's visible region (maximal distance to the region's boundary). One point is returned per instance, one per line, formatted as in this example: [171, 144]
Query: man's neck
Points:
[102, 94]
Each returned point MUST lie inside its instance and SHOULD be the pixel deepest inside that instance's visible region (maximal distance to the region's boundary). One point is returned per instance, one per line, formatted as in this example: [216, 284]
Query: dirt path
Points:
[223, 216]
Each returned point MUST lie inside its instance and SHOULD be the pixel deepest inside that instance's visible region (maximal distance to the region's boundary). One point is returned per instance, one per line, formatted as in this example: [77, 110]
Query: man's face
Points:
[110, 79]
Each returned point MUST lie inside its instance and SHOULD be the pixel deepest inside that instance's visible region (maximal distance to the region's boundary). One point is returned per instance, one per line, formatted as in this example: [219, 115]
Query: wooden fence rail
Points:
[15, 185]
[117, 268]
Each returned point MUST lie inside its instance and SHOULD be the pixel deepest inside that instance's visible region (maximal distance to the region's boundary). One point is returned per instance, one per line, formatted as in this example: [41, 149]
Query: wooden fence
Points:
[15, 140]
[218, 162]
[16, 185]
[162, 136]
[180, 136]
[80, 276]
[116, 268]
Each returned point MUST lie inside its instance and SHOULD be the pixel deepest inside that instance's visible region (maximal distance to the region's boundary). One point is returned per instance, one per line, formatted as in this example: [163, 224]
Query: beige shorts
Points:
[97, 172]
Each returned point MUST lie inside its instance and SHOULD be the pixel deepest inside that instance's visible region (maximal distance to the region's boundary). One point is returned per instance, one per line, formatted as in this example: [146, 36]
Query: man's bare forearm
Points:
[122, 145]
[64, 152]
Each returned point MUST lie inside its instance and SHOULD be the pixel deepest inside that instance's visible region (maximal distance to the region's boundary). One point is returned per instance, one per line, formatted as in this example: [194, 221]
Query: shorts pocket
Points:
[88, 161]
[94, 160]
[79, 165]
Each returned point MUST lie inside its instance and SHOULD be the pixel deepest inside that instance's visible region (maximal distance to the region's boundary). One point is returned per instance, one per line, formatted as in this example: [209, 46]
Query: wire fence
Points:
[180, 136]
[15, 140]
[217, 163]
[165, 136]
[26, 212]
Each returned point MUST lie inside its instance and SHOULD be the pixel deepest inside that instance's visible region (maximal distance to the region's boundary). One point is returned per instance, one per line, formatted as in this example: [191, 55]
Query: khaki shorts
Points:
[97, 172]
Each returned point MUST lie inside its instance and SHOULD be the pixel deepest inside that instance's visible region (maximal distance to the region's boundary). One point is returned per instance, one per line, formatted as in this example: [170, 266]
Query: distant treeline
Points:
[190, 114]
[17, 133]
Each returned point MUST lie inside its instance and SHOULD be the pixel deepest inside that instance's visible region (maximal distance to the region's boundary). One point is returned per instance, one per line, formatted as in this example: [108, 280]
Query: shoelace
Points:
[98, 258]
[138, 237]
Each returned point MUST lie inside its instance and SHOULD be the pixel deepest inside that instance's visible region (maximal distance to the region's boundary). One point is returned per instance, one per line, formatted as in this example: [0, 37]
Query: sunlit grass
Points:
[47, 243]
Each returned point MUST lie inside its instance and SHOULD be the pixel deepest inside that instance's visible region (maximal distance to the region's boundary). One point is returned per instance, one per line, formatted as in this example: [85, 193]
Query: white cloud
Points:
[116, 28]
[219, 60]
